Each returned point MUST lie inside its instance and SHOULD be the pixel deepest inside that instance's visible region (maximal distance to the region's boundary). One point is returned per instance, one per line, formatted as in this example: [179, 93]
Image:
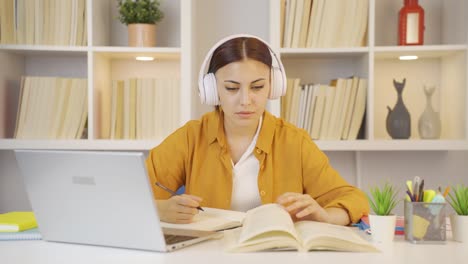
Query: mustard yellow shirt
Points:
[196, 155]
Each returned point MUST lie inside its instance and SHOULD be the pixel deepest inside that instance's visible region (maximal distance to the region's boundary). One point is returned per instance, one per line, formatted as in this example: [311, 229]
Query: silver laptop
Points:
[98, 198]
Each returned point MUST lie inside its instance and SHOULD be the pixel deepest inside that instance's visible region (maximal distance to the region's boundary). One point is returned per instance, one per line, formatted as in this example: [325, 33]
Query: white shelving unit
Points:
[105, 58]
[190, 28]
[442, 62]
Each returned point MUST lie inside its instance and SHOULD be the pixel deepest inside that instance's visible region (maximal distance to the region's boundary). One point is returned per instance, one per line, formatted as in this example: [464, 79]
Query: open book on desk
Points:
[211, 219]
[270, 227]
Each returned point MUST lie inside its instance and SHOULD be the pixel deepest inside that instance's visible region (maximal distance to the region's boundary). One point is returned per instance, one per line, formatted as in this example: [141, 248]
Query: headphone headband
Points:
[278, 67]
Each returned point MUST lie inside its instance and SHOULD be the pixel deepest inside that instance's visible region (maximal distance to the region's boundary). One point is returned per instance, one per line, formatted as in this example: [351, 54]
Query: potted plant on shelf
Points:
[141, 17]
[458, 199]
[382, 223]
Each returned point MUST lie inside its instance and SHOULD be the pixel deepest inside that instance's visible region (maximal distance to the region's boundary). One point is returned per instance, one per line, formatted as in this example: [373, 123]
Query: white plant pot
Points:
[459, 225]
[382, 227]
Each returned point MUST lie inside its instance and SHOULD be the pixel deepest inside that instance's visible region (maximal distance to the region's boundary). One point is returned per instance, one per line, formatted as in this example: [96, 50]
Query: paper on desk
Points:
[211, 219]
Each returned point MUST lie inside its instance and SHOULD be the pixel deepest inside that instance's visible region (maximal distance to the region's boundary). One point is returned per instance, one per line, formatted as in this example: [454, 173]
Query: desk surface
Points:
[400, 251]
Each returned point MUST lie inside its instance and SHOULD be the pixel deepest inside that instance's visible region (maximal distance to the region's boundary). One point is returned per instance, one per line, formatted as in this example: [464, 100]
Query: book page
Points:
[324, 236]
[274, 240]
[265, 219]
[211, 219]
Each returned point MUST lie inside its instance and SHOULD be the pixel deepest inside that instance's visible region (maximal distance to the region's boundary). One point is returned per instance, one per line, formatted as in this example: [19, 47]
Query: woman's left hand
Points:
[303, 207]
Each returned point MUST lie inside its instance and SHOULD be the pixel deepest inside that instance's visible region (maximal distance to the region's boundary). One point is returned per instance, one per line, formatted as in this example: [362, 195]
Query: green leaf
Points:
[383, 200]
[139, 11]
[458, 199]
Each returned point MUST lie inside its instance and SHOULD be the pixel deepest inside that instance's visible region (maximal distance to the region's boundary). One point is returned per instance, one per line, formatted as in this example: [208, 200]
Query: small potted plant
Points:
[382, 202]
[458, 199]
[141, 17]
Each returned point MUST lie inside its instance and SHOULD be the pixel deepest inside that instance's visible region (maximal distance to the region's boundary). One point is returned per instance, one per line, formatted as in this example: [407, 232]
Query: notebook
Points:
[212, 219]
[17, 221]
[30, 234]
[98, 198]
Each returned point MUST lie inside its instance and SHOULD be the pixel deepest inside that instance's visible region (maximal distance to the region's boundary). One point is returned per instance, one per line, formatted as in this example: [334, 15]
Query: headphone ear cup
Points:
[277, 87]
[210, 90]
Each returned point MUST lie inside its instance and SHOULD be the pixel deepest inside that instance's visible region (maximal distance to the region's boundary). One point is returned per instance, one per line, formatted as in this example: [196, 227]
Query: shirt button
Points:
[259, 151]
[262, 193]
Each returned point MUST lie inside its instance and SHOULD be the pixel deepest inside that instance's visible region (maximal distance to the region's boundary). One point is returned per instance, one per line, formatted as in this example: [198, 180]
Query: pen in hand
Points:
[173, 193]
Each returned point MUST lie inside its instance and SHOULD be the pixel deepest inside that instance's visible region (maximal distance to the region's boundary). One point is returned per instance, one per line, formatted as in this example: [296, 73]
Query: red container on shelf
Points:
[411, 24]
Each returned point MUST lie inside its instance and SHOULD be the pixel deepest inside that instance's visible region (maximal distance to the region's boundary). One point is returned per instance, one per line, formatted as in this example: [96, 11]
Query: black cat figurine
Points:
[398, 119]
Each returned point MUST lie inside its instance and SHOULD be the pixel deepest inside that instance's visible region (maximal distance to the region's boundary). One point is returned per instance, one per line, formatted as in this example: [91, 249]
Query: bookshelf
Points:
[442, 62]
[190, 28]
[105, 57]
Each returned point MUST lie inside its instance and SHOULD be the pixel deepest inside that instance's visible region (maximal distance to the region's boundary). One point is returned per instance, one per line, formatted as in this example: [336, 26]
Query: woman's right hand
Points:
[179, 209]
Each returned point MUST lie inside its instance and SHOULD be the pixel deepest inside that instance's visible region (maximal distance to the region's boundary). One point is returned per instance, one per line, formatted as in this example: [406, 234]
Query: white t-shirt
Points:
[245, 194]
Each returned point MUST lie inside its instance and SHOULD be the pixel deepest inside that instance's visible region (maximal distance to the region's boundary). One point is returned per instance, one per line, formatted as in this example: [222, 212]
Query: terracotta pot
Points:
[141, 35]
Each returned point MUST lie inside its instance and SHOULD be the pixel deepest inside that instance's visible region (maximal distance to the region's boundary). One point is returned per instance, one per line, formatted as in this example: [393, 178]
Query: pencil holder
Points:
[425, 222]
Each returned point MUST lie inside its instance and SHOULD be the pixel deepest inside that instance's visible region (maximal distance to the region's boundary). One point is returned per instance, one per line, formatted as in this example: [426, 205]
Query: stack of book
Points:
[326, 112]
[43, 22]
[323, 24]
[51, 108]
[18, 226]
[143, 108]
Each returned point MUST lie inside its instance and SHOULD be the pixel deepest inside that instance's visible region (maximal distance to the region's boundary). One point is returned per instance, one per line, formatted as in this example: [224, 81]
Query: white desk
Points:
[38, 252]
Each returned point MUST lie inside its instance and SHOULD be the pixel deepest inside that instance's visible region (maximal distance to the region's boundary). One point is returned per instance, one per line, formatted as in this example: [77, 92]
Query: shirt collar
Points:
[265, 137]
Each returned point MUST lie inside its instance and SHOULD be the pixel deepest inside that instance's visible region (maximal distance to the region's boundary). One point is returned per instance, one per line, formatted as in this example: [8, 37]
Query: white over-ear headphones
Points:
[207, 87]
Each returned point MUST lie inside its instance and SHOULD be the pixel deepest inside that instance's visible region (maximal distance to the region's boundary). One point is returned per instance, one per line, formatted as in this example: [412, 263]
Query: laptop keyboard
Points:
[172, 239]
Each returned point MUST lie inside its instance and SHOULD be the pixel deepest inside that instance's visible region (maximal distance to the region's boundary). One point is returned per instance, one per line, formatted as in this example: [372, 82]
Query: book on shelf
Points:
[345, 16]
[358, 111]
[51, 108]
[336, 110]
[326, 112]
[43, 22]
[282, 17]
[353, 83]
[360, 38]
[291, 101]
[286, 100]
[309, 116]
[144, 108]
[289, 20]
[299, 122]
[318, 111]
[305, 23]
[327, 109]
[314, 23]
[323, 24]
[297, 24]
[7, 22]
[20, 21]
[295, 102]
[30, 234]
[331, 21]
[211, 219]
[347, 84]
[302, 122]
[270, 227]
[17, 221]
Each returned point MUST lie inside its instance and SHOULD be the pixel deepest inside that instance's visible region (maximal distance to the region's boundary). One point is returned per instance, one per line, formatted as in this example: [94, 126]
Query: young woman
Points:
[240, 156]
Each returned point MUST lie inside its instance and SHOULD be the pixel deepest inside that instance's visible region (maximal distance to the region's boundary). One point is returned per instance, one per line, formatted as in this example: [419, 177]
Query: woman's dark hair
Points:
[238, 49]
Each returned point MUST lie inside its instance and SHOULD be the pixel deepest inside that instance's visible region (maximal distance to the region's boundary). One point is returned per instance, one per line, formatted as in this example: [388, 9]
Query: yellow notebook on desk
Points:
[269, 227]
[17, 221]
